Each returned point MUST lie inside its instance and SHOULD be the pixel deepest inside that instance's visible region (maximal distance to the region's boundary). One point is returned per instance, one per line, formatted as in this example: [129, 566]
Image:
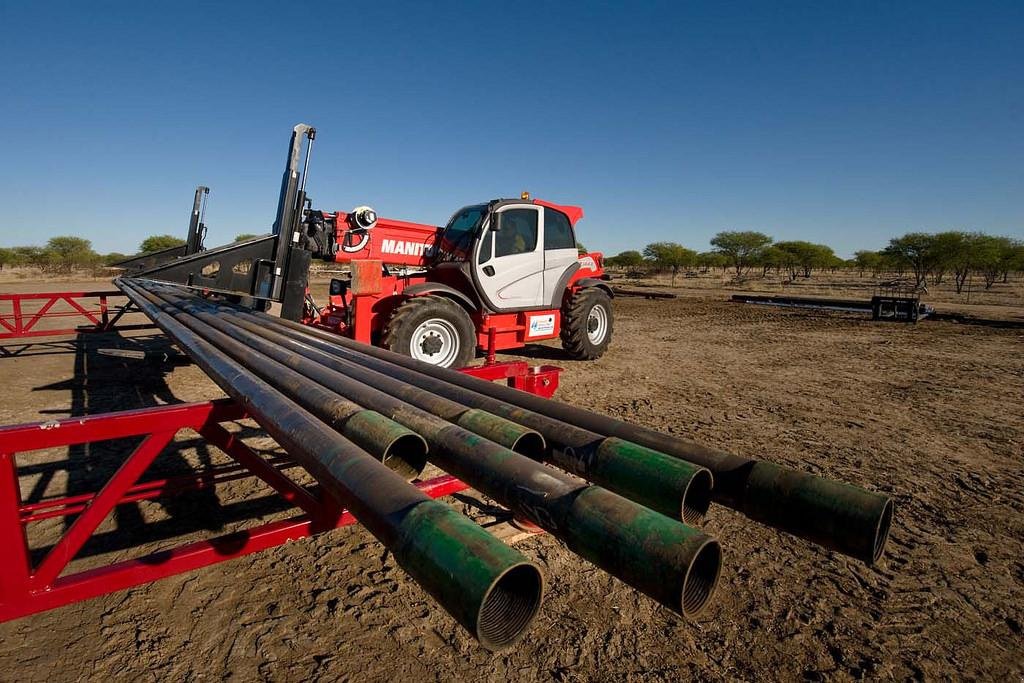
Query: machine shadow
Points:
[102, 384]
[539, 352]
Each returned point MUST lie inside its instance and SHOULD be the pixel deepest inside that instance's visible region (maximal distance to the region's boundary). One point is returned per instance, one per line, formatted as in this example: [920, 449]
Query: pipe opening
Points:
[509, 606]
[531, 444]
[702, 578]
[697, 497]
[882, 531]
[406, 455]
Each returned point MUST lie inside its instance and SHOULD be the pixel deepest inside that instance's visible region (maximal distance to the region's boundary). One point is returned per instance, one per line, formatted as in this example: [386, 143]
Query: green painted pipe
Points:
[496, 594]
[657, 554]
[505, 432]
[841, 517]
[652, 478]
[672, 563]
[821, 510]
[490, 589]
[669, 485]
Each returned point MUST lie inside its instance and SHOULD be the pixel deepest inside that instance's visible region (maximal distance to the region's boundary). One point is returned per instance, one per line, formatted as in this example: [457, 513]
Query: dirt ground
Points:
[930, 413]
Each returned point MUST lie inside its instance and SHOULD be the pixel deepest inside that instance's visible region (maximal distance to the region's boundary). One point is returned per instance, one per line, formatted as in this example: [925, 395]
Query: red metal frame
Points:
[26, 589]
[19, 322]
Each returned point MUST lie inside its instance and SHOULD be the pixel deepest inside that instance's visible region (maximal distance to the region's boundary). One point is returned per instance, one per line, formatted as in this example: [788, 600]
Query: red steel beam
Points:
[20, 323]
[25, 589]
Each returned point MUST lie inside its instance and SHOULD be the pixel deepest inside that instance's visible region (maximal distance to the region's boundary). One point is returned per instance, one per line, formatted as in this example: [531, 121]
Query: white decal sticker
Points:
[587, 263]
[406, 248]
[541, 324]
[358, 246]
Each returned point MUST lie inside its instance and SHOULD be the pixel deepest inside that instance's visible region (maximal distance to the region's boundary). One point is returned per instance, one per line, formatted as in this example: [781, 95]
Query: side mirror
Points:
[495, 222]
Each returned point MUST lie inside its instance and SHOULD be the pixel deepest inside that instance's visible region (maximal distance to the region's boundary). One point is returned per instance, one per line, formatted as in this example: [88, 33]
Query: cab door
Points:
[510, 261]
[561, 258]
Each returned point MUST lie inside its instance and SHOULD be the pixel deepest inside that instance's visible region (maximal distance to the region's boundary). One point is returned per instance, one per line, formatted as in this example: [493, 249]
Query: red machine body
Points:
[395, 260]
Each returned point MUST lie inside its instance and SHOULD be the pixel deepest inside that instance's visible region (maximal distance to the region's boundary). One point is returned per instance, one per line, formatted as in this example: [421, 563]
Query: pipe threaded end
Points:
[509, 607]
[701, 578]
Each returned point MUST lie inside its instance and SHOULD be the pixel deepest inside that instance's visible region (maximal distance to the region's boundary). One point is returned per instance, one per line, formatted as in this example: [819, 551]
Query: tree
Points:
[741, 247]
[159, 243]
[6, 257]
[989, 253]
[712, 259]
[625, 259]
[772, 257]
[806, 256]
[29, 256]
[580, 248]
[670, 256]
[245, 237]
[869, 260]
[1011, 256]
[916, 250]
[67, 252]
[112, 258]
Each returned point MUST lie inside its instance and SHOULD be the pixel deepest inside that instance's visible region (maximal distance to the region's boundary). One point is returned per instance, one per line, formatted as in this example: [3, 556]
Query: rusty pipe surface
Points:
[667, 560]
[489, 588]
[838, 516]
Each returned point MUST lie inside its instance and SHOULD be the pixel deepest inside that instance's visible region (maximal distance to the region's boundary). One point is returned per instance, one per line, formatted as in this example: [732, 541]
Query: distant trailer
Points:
[896, 308]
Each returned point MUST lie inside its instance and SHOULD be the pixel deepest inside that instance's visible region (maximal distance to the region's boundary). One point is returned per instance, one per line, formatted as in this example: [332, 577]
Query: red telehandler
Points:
[498, 275]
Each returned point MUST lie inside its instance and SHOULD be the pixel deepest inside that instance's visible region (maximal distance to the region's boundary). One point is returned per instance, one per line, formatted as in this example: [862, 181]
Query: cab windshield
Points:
[458, 235]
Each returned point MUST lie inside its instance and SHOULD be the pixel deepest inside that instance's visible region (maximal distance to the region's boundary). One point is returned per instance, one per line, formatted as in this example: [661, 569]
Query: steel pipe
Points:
[667, 560]
[841, 517]
[398, 447]
[667, 485]
[490, 589]
[662, 483]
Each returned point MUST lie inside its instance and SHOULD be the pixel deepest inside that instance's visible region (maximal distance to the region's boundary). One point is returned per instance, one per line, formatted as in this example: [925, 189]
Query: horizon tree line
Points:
[928, 257]
[66, 253]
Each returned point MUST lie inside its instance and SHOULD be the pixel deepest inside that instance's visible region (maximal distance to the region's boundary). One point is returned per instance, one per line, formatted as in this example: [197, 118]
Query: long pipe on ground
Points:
[838, 516]
[676, 565]
[490, 589]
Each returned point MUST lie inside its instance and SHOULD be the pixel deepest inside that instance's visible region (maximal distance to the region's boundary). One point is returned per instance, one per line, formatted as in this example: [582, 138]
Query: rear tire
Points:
[432, 329]
[587, 324]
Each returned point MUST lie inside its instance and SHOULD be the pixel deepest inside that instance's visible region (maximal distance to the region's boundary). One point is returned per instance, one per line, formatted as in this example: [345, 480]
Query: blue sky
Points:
[839, 122]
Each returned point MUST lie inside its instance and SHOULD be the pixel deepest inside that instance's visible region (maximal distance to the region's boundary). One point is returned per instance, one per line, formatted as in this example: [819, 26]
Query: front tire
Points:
[432, 329]
[587, 324]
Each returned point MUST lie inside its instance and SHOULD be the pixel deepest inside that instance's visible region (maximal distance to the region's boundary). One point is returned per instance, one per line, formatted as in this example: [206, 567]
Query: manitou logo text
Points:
[406, 248]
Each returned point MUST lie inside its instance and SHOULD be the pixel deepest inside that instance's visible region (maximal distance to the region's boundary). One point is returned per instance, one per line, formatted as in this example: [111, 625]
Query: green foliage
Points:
[670, 256]
[625, 259]
[159, 243]
[67, 252]
[113, 257]
[742, 248]
[773, 257]
[869, 260]
[580, 248]
[712, 259]
[29, 256]
[245, 237]
[915, 250]
[803, 257]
